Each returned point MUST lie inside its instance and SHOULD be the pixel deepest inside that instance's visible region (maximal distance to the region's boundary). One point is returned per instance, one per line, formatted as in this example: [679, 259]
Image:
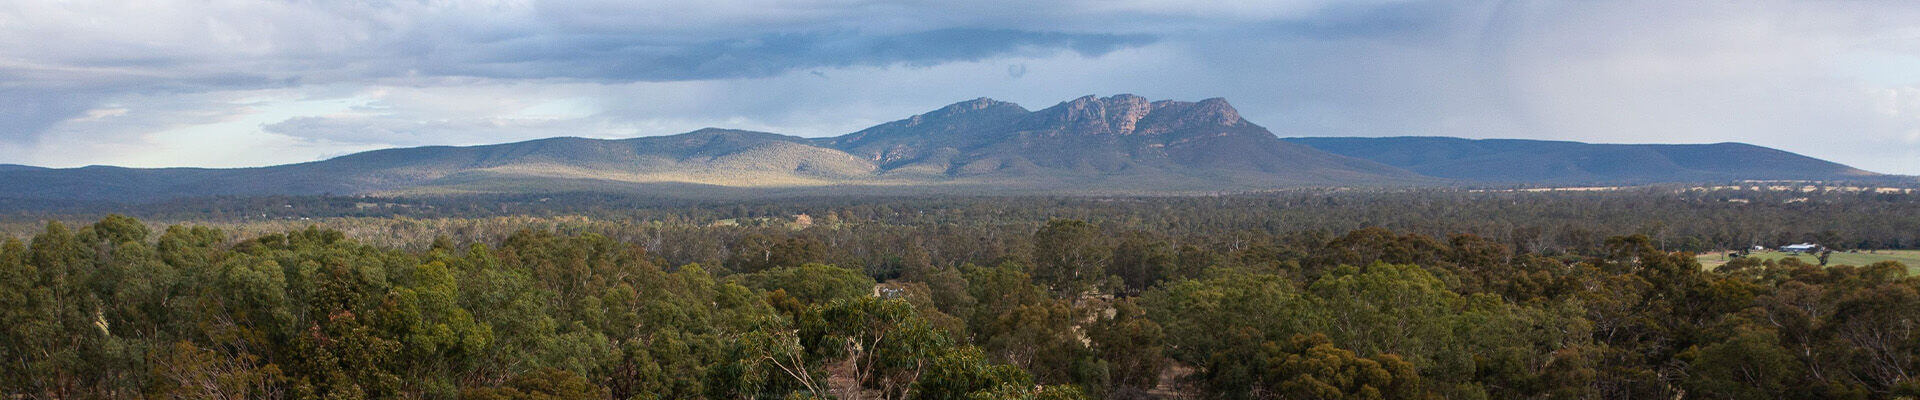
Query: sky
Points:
[237, 83]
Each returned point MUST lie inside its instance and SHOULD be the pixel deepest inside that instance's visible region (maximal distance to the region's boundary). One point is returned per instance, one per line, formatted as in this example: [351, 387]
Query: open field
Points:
[1909, 257]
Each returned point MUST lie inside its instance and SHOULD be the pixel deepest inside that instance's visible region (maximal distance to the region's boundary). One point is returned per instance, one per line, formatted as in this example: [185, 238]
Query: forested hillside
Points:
[1574, 163]
[958, 298]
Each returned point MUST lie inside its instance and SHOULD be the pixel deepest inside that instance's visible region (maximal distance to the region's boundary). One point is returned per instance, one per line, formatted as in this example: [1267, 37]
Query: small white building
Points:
[1800, 248]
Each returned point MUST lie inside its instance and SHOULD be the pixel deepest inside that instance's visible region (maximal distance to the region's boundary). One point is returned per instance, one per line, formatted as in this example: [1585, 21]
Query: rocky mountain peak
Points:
[965, 109]
[1127, 114]
[1115, 115]
[973, 105]
[1171, 115]
[1216, 110]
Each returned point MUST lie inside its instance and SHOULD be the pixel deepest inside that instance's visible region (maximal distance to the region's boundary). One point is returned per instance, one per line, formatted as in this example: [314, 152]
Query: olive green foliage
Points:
[1133, 347]
[1070, 256]
[1026, 392]
[1041, 309]
[812, 283]
[958, 373]
[1142, 261]
[1310, 367]
[754, 253]
[1017, 321]
[546, 384]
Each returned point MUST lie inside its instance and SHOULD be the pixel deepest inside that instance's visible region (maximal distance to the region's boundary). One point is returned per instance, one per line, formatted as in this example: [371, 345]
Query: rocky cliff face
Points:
[1088, 136]
[1128, 114]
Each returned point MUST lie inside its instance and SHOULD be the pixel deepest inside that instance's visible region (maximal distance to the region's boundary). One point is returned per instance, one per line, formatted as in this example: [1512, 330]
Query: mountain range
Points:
[1090, 145]
[1542, 162]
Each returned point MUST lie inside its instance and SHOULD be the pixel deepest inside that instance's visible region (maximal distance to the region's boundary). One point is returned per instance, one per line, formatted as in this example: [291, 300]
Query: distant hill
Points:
[1119, 144]
[1122, 144]
[708, 156]
[1558, 162]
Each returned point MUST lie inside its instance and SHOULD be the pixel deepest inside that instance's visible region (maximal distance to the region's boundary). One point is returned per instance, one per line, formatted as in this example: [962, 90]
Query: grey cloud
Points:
[1409, 20]
[403, 130]
[636, 58]
[1595, 71]
[60, 61]
[332, 42]
[30, 106]
[25, 112]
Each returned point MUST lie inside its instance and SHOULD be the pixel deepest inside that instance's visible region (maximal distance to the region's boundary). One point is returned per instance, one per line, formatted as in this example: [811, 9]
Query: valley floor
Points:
[1864, 257]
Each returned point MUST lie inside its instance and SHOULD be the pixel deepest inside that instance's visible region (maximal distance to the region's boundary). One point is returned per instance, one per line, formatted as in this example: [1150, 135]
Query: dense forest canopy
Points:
[1280, 296]
[687, 231]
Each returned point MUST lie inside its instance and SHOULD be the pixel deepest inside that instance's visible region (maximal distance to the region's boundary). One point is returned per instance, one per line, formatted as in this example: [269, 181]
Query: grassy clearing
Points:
[1909, 257]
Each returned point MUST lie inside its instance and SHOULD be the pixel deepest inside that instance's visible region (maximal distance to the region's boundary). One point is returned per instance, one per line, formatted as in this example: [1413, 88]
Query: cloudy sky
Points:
[225, 83]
